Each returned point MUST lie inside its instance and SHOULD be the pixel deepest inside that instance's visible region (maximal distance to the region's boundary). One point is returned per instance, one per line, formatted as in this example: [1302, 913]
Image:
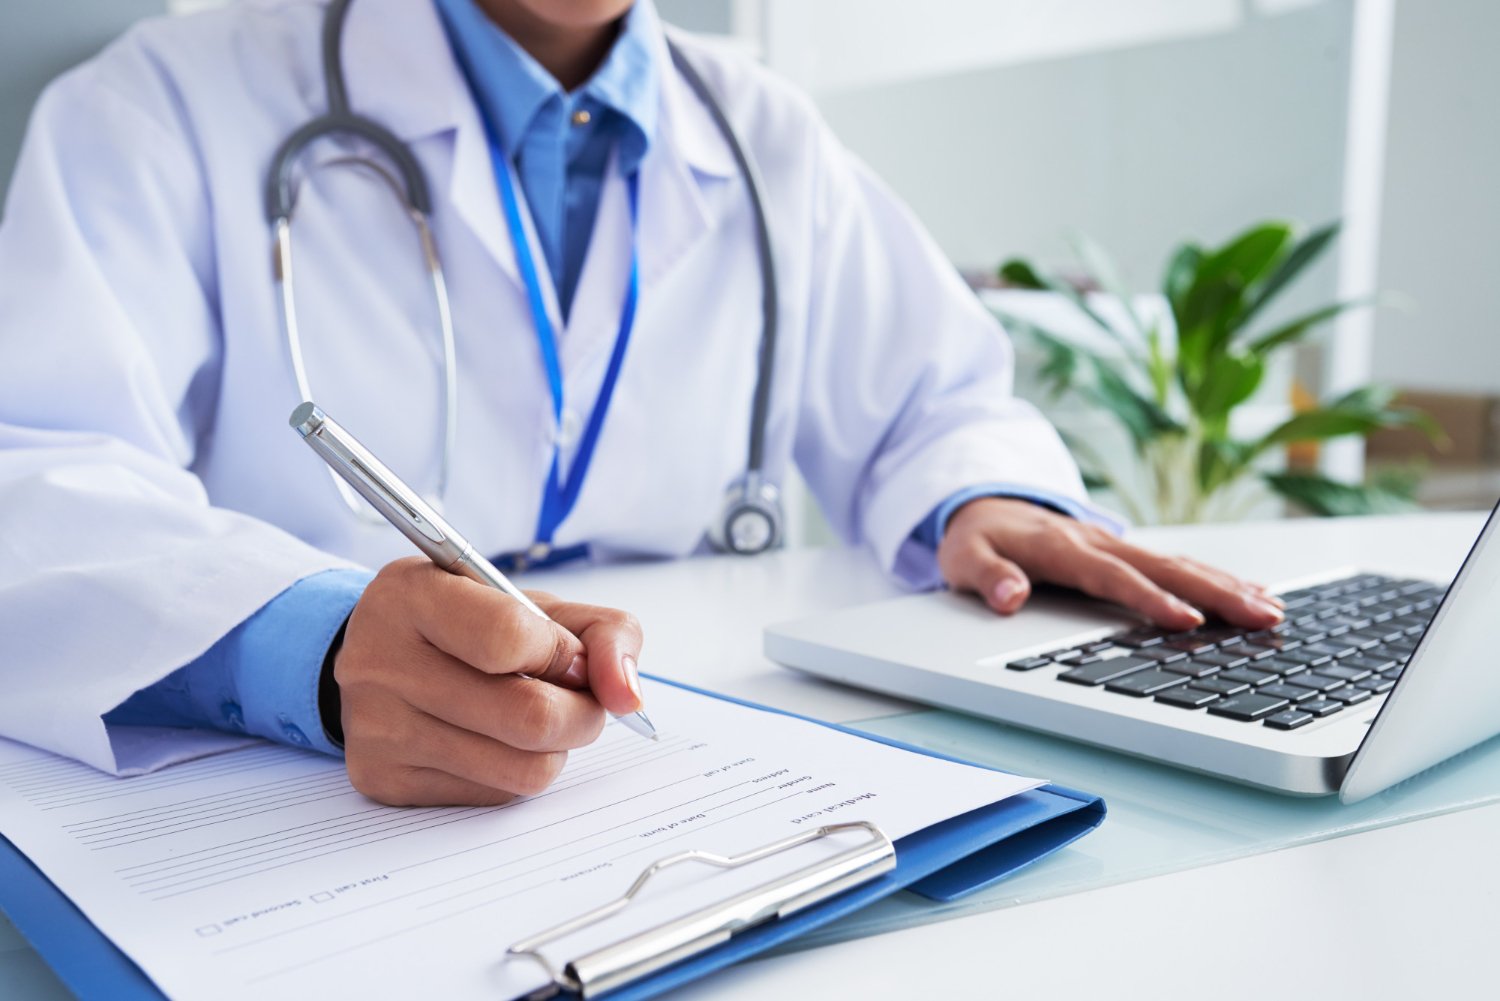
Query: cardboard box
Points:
[1471, 422]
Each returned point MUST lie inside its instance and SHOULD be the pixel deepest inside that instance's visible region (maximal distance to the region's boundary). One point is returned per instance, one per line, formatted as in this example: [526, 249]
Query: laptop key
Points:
[1222, 660]
[1332, 648]
[1066, 656]
[1220, 686]
[1249, 676]
[1141, 638]
[1317, 682]
[1161, 654]
[1363, 640]
[1144, 683]
[1028, 663]
[1252, 650]
[1192, 668]
[1289, 719]
[1379, 685]
[1343, 669]
[1320, 707]
[1374, 662]
[1190, 645]
[1104, 671]
[1248, 707]
[1284, 665]
[1188, 698]
[1351, 695]
[1292, 693]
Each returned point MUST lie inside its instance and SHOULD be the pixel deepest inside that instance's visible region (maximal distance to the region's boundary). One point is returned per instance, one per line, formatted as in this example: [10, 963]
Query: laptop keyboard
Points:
[1343, 643]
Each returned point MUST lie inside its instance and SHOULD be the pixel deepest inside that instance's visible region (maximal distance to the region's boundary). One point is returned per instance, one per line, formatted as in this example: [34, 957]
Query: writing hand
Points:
[453, 693]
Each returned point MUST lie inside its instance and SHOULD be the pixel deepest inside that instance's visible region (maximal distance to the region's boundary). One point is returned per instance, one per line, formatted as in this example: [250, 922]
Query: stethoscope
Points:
[751, 521]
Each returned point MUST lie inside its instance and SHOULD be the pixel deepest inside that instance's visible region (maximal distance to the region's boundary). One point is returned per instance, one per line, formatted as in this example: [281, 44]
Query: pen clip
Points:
[413, 516]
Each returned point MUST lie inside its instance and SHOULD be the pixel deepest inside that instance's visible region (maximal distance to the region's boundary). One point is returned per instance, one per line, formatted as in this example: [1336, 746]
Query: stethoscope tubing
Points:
[409, 184]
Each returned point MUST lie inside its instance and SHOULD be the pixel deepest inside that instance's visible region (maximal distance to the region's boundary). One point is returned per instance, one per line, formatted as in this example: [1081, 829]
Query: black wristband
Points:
[330, 705]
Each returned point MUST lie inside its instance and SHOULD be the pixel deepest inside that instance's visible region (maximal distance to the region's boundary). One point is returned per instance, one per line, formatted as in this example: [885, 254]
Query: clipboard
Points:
[942, 862]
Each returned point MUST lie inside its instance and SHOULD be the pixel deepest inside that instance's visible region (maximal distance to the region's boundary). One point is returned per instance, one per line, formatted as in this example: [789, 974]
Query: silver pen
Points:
[413, 516]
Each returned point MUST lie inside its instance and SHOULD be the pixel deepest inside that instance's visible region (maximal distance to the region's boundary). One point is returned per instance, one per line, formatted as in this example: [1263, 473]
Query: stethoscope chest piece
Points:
[752, 519]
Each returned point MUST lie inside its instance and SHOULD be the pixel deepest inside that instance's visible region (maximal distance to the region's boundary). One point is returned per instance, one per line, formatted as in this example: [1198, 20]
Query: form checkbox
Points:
[321, 897]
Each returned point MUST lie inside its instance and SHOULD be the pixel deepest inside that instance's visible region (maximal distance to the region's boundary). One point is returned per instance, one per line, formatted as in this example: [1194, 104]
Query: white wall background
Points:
[1006, 122]
[1441, 231]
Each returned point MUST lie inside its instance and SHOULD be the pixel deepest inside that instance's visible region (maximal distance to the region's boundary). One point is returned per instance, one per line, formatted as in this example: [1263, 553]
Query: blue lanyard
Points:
[561, 494]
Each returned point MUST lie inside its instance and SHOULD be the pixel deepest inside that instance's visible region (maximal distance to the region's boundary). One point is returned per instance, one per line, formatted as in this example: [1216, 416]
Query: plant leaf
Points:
[1221, 461]
[1181, 269]
[1225, 274]
[1141, 417]
[1024, 275]
[1295, 330]
[1227, 381]
[1306, 250]
[1102, 267]
[1361, 411]
[1327, 497]
[1021, 274]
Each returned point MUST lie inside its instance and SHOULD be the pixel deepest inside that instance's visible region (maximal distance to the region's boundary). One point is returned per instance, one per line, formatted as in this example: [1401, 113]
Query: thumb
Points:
[978, 568]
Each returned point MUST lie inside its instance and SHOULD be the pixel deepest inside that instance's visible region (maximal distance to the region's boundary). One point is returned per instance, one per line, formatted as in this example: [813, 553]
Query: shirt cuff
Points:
[261, 677]
[930, 532]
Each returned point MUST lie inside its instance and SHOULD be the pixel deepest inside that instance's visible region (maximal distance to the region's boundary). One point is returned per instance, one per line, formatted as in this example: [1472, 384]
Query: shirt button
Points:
[295, 735]
[233, 715]
[569, 427]
[582, 117]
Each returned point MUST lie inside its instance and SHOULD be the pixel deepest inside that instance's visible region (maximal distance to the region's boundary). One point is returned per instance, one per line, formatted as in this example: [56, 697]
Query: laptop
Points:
[1370, 680]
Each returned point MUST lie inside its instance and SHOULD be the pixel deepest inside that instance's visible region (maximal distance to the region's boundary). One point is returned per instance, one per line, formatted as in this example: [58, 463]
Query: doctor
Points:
[170, 555]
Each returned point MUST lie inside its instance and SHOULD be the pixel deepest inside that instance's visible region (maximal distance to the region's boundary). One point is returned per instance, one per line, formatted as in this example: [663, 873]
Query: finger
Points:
[478, 759]
[975, 566]
[492, 631]
[1229, 578]
[431, 787]
[1103, 575]
[1212, 591]
[524, 713]
[612, 640]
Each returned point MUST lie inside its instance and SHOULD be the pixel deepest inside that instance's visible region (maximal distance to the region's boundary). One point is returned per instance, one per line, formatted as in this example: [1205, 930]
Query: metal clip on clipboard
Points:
[644, 953]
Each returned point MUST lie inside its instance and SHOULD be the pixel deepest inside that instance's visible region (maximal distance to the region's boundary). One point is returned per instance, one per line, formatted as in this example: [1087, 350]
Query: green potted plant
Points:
[1174, 396]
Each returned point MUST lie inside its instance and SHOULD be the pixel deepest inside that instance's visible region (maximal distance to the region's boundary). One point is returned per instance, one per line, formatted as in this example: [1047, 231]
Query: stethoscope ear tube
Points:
[281, 190]
[752, 500]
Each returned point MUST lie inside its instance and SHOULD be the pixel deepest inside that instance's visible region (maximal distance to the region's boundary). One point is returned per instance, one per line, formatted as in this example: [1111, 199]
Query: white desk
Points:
[1400, 912]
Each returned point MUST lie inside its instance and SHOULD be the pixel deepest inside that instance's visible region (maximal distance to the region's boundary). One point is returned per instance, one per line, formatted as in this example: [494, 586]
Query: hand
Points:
[997, 547]
[454, 693]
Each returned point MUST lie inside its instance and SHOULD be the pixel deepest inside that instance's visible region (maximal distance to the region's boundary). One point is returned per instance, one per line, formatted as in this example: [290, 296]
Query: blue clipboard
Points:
[943, 862]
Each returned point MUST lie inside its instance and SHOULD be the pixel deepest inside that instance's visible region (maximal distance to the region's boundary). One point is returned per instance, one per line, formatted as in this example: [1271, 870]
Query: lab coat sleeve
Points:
[261, 678]
[907, 397]
[115, 569]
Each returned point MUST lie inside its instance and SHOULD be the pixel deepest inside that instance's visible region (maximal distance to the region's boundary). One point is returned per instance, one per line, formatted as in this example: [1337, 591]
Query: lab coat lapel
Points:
[402, 73]
[687, 154]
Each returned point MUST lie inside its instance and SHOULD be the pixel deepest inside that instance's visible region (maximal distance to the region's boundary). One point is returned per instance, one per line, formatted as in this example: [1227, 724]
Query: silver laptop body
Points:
[950, 651]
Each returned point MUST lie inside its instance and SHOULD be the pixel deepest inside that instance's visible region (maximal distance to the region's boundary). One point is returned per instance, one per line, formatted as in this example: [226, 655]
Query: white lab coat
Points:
[151, 493]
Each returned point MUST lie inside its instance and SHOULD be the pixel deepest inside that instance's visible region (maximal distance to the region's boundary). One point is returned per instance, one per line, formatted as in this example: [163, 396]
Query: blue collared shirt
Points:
[560, 143]
[262, 677]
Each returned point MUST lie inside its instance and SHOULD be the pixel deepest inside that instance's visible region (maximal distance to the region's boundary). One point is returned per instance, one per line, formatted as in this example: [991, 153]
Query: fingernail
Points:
[632, 678]
[577, 673]
[1262, 605]
[1005, 591]
[1179, 605]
